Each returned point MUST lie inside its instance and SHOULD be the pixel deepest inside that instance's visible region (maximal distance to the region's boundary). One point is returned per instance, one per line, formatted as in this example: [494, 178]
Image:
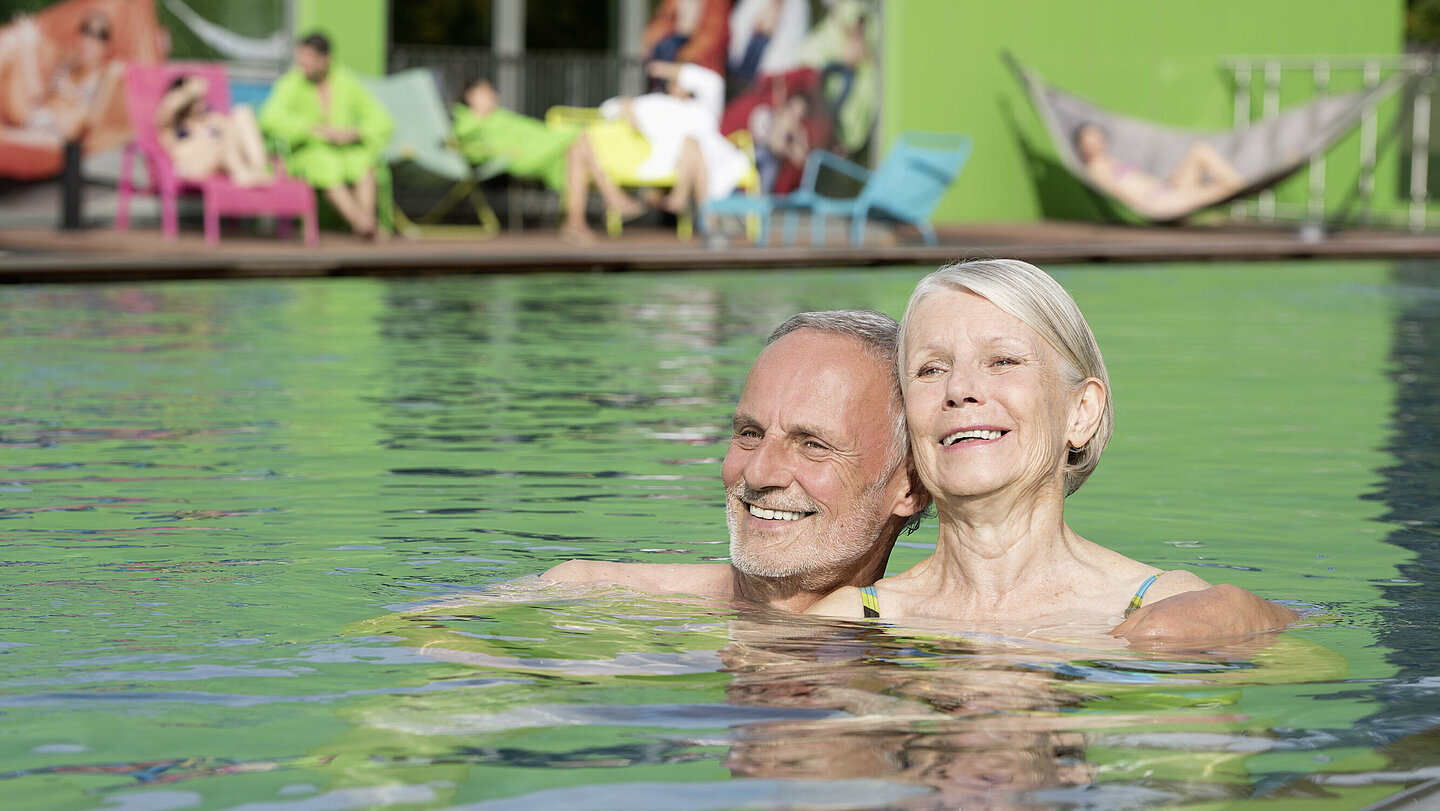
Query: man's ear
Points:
[1089, 407]
[914, 498]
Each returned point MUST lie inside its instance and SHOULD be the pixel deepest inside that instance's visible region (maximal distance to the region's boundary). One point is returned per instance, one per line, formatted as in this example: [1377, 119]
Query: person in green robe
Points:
[561, 158]
[334, 129]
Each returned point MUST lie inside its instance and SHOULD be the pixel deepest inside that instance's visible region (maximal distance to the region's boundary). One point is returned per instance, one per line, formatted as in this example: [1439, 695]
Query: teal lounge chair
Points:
[906, 187]
[423, 137]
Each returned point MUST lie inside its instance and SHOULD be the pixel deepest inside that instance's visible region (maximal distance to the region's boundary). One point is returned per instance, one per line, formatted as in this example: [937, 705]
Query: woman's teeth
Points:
[961, 436]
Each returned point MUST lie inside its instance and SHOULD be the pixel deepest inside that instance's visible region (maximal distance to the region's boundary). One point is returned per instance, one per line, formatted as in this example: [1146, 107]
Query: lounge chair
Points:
[285, 197]
[1262, 152]
[906, 187]
[423, 137]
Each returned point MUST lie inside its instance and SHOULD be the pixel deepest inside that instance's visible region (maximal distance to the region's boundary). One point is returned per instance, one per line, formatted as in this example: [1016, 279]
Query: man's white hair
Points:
[1029, 294]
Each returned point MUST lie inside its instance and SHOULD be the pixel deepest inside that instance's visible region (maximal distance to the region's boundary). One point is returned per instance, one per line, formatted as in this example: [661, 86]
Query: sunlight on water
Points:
[270, 545]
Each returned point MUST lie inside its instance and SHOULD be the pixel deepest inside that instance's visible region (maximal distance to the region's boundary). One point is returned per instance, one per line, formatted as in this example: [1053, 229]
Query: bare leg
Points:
[349, 207]
[609, 192]
[577, 189]
[689, 178]
[1203, 167]
[248, 144]
[367, 195]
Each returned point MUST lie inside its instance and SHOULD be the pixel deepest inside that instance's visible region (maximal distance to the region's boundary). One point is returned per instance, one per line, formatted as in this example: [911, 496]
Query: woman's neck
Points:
[993, 545]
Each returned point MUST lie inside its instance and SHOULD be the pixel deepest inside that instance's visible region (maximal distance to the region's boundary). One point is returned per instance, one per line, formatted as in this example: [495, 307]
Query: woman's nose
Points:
[962, 388]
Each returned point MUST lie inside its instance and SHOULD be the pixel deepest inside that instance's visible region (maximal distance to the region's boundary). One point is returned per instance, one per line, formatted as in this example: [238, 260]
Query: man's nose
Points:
[768, 465]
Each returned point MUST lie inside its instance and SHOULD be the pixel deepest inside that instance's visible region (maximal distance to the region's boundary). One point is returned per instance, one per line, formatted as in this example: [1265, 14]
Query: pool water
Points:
[270, 546]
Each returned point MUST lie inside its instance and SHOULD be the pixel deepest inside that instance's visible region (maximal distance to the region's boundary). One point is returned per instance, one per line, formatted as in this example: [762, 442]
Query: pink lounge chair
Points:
[144, 86]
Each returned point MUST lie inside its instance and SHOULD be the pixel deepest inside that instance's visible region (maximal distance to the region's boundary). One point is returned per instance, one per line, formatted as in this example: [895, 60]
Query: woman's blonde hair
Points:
[1029, 294]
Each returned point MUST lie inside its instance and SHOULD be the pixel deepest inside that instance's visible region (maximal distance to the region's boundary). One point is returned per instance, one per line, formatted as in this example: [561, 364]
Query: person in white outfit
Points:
[682, 126]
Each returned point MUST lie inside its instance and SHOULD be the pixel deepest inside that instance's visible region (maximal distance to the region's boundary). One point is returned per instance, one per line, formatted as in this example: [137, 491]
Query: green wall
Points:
[1154, 60]
[358, 29]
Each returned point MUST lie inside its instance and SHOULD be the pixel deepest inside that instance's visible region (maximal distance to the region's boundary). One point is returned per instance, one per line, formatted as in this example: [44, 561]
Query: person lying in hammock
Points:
[1202, 177]
[204, 142]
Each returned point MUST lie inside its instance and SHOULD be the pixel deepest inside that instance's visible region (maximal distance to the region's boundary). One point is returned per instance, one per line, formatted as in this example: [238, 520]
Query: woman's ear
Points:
[1090, 405]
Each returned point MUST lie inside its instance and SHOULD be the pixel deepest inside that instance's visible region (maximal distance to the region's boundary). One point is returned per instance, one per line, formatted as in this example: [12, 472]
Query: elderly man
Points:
[819, 485]
[335, 131]
[817, 478]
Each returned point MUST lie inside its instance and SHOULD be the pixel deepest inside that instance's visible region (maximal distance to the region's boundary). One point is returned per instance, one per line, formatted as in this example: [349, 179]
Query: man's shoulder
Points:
[704, 579]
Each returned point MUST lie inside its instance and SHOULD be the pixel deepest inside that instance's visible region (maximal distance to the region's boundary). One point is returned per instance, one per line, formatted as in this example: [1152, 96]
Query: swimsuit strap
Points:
[1140, 595]
[870, 602]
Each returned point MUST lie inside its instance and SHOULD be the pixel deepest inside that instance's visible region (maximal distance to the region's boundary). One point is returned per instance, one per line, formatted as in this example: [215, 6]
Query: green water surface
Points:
[266, 546]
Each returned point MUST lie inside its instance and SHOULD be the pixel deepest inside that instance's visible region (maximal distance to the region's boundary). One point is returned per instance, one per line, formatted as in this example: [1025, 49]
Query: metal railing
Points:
[1267, 78]
[529, 83]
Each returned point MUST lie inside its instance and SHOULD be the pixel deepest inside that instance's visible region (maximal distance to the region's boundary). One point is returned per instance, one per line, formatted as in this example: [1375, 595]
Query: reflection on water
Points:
[269, 545]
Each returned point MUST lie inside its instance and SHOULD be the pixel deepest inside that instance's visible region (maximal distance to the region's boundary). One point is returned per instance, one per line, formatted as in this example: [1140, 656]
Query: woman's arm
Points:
[1206, 613]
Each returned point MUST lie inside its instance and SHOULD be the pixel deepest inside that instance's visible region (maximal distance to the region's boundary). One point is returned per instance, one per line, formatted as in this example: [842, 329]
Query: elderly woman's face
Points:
[985, 399]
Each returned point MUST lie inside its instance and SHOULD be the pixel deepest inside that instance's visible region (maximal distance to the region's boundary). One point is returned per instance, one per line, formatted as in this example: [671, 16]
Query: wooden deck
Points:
[45, 254]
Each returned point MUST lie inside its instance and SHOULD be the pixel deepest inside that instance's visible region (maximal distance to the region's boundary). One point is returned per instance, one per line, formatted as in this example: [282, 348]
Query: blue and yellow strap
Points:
[869, 602]
[1140, 595]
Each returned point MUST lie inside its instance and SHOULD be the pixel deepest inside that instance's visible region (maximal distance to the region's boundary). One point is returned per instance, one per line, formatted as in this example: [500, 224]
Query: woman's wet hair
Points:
[1029, 294]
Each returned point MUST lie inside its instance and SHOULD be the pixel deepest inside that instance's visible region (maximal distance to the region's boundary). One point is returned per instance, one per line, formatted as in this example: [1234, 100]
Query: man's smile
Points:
[774, 515]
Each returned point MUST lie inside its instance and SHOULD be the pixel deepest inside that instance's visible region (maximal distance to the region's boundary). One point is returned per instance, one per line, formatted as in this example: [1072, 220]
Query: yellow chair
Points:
[620, 149]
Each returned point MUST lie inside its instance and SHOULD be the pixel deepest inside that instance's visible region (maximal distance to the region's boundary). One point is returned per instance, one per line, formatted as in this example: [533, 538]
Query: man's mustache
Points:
[772, 498]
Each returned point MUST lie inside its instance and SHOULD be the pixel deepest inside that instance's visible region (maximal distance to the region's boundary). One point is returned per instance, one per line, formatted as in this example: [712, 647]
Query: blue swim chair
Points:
[906, 187]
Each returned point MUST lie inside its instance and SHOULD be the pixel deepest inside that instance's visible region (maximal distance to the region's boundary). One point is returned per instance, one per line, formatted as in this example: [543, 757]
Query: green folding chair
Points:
[423, 137]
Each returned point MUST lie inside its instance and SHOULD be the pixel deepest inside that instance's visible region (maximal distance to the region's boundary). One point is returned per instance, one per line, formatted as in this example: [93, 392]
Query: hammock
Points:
[230, 45]
[1263, 152]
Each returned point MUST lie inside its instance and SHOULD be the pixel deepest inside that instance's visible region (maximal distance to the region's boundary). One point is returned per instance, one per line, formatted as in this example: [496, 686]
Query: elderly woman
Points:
[1008, 406]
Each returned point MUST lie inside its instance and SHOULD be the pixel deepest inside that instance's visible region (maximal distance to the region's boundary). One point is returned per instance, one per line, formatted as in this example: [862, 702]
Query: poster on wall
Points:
[62, 79]
[800, 75]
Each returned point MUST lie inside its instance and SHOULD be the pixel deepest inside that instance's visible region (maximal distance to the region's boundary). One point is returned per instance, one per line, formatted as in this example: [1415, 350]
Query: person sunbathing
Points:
[562, 159]
[203, 142]
[1203, 176]
[58, 107]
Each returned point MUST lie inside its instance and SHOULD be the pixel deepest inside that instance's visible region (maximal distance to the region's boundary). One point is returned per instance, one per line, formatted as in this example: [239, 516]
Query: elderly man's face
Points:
[312, 63]
[810, 476]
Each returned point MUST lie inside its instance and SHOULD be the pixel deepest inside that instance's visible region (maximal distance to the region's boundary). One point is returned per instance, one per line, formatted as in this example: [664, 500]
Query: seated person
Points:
[1203, 176]
[59, 107]
[203, 142]
[562, 159]
[335, 130]
[682, 126]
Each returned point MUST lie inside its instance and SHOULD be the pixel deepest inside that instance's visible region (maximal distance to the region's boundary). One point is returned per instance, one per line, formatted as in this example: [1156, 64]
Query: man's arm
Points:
[286, 115]
[702, 579]
[1210, 613]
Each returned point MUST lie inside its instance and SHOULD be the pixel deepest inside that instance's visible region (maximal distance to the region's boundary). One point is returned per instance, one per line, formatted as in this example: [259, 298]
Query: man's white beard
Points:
[848, 542]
